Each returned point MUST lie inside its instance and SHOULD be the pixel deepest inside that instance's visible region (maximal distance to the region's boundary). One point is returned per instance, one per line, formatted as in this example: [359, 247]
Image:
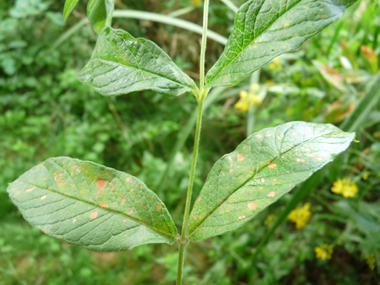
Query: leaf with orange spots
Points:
[263, 168]
[121, 64]
[91, 205]
[266, 29]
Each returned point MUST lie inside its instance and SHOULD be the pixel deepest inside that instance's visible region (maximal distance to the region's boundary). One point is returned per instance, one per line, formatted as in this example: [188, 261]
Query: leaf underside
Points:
[121, 64]
[69, 6]
[264, 167]
[97, 14]
[91, 205]
[265, 29]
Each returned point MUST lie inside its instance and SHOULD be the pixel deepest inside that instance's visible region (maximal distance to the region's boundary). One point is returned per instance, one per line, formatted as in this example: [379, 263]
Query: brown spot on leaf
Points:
[106, 173]
[230, 158]
[77, 169]
[86, 171]
[231, 164]
[130, 212]
[141, 186]
[111, 185]
[74, 220]
[231, 170]
[271, 194]
[259, 136]
[158, 207]
[105, 206]
[195, 217]
[30, 189]
[43, 197]
[252, 205]
[101, 184]
[262, 180]
[93, 215]
[273, 165]
[199, 198]
[123, 201]
[240, 156]
[300, 160]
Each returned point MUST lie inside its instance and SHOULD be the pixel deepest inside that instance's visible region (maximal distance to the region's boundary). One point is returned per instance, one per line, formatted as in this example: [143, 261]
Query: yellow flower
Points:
[371, 260]
[300, 215]
[345, 187]
[324, 252]
[196, 3]
[245, 99]
[255, 87]
[275, 63]
[270, 219]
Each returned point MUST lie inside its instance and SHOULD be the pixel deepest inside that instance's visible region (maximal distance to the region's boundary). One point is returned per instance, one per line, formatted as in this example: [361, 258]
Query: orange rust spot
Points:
[231, 164]
[301, 160]
[43, 197]
[44, 231]
[74, 220]
[259, 136]
[273, 165]
[158, 207]
[86, 171]
[240, 156]
[130, 212]
[195, 217]
[141, 186]
[77, 169]
[123, 201]
[252, 205]
[103, 205]
[101, 184]
[224, 173]
[262, 180]
[283, 156]
[131, 189]
[231, 170]
[230, 158]
[261, 188]
[30, 189]
[199, 198]
[106, 173]
[111, 185]
[271, 194]
[93, 215]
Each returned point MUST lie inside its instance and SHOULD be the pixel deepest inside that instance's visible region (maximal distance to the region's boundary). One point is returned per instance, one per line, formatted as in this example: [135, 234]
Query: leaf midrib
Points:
[255, 37]
[97, 206]
[246, 181]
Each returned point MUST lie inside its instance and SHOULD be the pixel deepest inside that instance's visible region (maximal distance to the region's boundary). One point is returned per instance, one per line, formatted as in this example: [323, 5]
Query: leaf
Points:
[265, 29]
[264, 167]
[91, 205]
[97, 14]
[122, 64]
[69, 6]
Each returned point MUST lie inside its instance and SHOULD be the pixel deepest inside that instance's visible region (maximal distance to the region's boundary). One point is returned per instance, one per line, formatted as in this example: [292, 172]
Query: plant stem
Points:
[200, 98]
[203, 46]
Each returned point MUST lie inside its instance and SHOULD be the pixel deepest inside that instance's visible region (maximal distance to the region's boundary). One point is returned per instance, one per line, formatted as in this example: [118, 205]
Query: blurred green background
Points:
[46, 112]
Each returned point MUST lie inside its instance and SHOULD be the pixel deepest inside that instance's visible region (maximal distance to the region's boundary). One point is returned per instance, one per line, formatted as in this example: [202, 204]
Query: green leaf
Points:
[91, 205]
[97, 14]
[69, 6]
[121, 64]
[265, 29]
[264, 167]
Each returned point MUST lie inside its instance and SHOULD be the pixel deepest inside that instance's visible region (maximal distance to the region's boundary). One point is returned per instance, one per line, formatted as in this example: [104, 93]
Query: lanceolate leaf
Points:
[121, 64]
[91, 205]
[69, 6]
[264, 29]
[264, 167]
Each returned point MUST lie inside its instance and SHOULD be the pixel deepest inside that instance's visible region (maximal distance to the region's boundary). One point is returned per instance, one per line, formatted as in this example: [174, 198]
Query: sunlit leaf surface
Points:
[264, 29]
[264, 167]
[121, 64]
[91, 205]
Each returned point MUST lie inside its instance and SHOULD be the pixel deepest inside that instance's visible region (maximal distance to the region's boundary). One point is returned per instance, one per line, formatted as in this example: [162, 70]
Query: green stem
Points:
[203, 46]
[200, 98]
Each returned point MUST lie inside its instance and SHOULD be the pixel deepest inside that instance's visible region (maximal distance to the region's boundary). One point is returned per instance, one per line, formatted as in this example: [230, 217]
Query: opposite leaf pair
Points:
[107, 210]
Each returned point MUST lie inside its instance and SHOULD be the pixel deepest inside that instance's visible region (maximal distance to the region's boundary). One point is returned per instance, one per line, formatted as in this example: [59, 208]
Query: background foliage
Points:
[46, 112]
